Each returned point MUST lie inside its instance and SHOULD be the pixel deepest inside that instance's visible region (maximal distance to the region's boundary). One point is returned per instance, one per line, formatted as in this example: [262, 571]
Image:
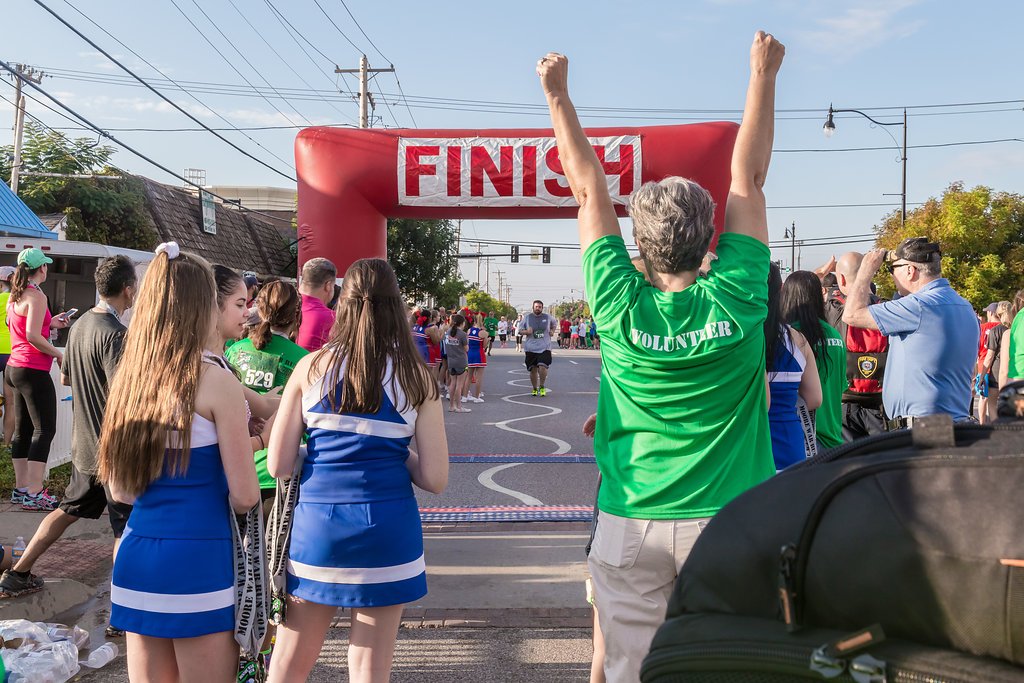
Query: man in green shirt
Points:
[491, 325]
[1012, 347]
[682, 423]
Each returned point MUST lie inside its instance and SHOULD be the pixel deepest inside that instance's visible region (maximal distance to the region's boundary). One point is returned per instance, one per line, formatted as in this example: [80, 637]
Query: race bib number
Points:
[257, 369]
[538, 334]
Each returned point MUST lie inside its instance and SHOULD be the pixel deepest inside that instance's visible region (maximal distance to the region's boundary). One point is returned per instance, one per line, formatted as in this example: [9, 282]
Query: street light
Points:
[830, 128]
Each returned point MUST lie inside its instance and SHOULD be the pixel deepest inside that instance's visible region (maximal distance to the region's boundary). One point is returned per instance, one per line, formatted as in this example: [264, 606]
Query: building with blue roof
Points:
[17, 220]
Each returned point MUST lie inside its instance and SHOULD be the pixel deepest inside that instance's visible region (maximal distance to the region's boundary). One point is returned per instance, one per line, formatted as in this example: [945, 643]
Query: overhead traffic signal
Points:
[515, 253]
[546, 255]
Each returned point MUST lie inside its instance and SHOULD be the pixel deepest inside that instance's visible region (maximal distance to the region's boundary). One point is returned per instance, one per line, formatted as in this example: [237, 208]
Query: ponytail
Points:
[19, 281]
[278, 305]
[457, 321]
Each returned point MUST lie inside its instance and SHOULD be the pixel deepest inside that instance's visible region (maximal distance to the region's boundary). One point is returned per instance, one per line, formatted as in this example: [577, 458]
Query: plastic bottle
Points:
[57, 664]
[17, 550]
[101, 656]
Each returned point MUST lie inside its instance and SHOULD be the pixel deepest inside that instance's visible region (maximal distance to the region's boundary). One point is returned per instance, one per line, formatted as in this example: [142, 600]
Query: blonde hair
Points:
[148, 423]
[1004, 312]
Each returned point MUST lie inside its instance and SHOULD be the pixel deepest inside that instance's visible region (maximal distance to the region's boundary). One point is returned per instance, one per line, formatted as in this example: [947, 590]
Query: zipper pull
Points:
[830, 660]
[867, 669]
[855, 642]
[787, 589]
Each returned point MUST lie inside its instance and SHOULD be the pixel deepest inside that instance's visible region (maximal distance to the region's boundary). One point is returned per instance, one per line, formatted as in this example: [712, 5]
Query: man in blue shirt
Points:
[933, 333]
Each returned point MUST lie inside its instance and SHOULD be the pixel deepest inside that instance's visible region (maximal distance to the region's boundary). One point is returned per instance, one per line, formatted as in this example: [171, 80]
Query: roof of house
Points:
[243, 241]
[52, 220]
[18, 219]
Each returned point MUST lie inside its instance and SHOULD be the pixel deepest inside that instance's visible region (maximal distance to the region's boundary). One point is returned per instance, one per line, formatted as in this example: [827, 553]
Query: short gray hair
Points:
[673, 223]
[317, 272]
[930, 269]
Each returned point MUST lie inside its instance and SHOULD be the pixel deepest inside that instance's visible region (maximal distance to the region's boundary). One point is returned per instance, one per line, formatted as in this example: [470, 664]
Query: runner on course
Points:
[503, 331]
[538, 327]
[565, 331]
[491, 325]
[517, 326]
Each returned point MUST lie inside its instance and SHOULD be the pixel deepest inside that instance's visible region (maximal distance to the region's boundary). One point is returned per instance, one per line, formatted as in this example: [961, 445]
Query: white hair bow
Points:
[170, 248]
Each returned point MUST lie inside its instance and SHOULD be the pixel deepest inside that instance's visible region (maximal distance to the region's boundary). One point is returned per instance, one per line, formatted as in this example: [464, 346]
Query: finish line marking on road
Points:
[520, 457]
[509, 513]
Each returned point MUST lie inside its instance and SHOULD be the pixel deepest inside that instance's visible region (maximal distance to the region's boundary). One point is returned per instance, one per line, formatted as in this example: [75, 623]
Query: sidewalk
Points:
[506, 601]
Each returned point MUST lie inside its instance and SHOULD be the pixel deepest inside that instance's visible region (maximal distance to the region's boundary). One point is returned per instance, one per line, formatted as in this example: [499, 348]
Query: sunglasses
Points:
[893, 266]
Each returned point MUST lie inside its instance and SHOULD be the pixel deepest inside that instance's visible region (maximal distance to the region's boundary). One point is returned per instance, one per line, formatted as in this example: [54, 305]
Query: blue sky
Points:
[648, 56]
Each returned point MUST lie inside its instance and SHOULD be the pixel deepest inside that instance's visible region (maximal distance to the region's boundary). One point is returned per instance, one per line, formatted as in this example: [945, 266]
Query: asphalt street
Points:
[514, 423]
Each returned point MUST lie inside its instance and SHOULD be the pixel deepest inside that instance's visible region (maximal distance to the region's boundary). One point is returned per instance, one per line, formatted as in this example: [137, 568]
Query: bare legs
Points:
[371, 642]
[211, 658]
[50, 529]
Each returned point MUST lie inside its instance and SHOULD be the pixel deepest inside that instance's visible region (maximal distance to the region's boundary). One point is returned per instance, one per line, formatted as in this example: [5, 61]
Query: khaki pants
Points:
[634, 564]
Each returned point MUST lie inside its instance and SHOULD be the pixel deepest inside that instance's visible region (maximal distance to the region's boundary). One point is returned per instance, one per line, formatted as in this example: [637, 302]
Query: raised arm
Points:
[745, 211]
[859, 297]
[582, 169]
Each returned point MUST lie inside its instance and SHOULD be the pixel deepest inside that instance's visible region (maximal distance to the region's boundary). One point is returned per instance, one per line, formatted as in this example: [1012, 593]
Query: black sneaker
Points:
[14, 584]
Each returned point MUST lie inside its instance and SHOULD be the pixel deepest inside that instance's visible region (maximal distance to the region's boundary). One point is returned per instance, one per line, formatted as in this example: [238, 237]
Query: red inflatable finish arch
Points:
[352, 181]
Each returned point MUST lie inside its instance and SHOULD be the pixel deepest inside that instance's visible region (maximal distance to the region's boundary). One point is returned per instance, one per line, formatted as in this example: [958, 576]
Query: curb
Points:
[529, 617]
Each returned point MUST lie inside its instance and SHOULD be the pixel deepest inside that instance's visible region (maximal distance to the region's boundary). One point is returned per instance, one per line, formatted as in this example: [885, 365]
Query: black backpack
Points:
[912, 539]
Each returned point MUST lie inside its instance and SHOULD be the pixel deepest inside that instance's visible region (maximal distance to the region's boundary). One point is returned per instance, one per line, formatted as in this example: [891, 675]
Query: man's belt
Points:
[900, 423]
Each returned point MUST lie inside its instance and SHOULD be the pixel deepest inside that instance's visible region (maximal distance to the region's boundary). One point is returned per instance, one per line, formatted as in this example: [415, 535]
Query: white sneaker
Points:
[476, 399]
[465, 398]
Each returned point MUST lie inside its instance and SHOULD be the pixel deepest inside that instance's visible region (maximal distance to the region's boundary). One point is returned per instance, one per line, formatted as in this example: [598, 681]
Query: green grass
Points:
[57, 482]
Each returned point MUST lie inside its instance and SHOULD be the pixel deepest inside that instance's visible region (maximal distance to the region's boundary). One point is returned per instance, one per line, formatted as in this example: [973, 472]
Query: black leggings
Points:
[35, 412]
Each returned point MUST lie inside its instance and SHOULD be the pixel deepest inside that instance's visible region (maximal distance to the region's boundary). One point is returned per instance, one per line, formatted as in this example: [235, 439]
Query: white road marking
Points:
[574, 362]
[486, 479]
[561, 446]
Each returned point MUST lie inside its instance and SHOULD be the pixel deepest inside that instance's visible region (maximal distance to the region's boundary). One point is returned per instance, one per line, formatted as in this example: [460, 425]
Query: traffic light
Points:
[515, 253]
[546, 255]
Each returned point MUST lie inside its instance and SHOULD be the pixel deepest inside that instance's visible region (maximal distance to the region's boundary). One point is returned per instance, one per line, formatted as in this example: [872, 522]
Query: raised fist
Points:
[766, 54]
[553, 70]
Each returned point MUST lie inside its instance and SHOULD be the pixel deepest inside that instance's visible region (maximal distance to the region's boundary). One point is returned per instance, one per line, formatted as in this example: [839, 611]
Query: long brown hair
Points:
[280, 306]
[153, 395]
[372, 326]
[19, 281]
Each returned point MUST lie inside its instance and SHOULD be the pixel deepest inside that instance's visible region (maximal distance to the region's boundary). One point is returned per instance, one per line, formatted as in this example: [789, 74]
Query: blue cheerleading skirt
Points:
[173, 588]
[357, 554]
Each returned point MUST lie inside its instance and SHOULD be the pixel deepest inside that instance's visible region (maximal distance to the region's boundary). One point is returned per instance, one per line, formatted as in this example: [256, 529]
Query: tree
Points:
[479, 300]
[572, 309]
[981, 233]
[450, 292]
[105, 210]
[423, 254]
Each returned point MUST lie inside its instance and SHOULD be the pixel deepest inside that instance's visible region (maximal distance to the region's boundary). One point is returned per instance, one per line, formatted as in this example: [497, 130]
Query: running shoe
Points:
[15, 584]
[463, 410]
[40, 502]
[465, 399]
[19, 496]
[534, 393]
[543, 392]
[476, 399]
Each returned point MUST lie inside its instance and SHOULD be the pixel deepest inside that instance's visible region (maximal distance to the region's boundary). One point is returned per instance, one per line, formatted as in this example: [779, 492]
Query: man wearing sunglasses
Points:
[933, 333]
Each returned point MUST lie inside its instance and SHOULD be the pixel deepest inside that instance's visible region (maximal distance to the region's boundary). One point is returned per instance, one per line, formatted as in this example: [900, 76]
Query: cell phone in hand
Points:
[67, 315]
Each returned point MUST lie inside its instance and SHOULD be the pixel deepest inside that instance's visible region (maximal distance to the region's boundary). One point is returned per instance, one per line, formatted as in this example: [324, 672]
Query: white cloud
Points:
[860, 27]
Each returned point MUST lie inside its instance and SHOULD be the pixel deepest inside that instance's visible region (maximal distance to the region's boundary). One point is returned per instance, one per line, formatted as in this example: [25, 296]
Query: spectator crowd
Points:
[716, 374]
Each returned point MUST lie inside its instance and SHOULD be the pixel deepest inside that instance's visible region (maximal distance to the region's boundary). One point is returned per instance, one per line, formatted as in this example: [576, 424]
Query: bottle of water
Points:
[17, 550]
[101, 656]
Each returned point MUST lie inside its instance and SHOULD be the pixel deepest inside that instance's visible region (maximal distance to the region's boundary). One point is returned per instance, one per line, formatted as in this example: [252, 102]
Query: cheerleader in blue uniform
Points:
[477, 359]
[175, 443]
[356, 539]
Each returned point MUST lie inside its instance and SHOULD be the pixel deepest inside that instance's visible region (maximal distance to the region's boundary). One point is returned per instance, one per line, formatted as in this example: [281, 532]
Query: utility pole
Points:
[29, 74]
[365, 98]
[499, 286]
[791, 234]
[478, 257]
[487, 286]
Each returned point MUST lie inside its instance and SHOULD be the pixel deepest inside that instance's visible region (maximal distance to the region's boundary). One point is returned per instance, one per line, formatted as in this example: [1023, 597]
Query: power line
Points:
[292, 32]
[224, 57]
[136, 152]
[279, 56]
[157, 92]
[184, 90]
[338, 28]
[398, 82]
[542, 108]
